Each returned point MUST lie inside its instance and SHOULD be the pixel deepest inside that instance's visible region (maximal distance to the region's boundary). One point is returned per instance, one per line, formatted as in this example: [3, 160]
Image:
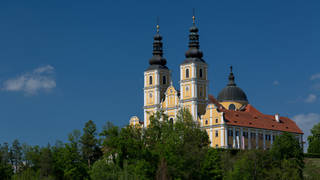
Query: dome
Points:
[157, 61]
[232, 92]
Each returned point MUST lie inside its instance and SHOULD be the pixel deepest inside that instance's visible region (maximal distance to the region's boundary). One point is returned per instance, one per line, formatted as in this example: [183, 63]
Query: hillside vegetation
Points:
[164, 150]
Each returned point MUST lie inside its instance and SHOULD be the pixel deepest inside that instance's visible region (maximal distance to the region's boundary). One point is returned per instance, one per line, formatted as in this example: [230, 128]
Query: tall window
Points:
[187, 73]
[164, 80]
[200, 73]
[217, 133]
[150, 80]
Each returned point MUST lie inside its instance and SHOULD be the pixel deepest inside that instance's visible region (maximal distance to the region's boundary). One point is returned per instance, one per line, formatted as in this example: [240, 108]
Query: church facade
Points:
[230, 120]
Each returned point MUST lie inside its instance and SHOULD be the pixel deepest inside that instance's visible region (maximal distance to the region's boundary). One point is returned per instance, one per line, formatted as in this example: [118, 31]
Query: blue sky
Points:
[65, 62]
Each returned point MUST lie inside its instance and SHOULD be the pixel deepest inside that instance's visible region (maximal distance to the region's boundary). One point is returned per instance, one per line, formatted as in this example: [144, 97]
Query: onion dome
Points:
[193, 53]
[232, 92]
[157, 61]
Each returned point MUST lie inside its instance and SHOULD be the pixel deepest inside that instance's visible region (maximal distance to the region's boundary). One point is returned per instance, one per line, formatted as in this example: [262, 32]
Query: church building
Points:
[230, 120]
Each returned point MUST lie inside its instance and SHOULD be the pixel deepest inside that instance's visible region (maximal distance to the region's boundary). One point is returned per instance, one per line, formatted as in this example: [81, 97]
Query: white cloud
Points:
[44, 69]
[32, 82]
[276, 83]
[311, 98]
[315, 76]
[306, 122]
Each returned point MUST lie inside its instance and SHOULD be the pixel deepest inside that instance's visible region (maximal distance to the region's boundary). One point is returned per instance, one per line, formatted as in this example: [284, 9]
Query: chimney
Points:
[277, 117]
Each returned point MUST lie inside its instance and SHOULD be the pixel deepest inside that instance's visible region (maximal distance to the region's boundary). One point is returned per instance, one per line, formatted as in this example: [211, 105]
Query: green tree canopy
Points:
[314, 139]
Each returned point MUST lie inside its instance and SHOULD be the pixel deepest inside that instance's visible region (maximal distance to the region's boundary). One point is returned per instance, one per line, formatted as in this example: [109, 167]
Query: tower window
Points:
[150, 95]
[164, 80]
[232, 107]
[206, 122]
[217, 133]
[187, 73]
[150, 80]
[200, 73]
[216, 120]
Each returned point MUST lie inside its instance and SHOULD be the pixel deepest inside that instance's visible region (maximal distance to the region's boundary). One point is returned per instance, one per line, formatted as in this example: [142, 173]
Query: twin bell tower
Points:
[159, 93]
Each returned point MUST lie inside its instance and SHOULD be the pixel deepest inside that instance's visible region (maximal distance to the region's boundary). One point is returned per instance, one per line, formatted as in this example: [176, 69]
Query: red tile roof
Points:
[251, 117]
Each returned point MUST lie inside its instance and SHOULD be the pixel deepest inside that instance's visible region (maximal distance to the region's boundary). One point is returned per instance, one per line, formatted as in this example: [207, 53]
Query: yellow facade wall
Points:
[227, 103]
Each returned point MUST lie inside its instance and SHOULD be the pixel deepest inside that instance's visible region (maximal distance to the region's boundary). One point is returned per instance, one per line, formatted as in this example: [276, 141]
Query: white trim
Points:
[221, 137]
[249, 138]
[264, 139]
[194, 70]
[234, 137]
[226, 136]
[145, 118]
[257, 137]
[240, 136]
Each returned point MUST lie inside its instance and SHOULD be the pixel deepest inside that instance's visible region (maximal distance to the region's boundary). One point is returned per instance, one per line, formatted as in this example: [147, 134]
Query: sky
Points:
[63, 63]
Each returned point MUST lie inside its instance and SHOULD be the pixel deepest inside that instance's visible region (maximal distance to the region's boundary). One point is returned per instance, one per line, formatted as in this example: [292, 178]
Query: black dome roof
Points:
[157, 61]
[232, 92]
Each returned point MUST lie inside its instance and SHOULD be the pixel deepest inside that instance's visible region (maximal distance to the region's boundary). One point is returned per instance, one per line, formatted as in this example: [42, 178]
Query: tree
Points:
[16, 155]
[286, 150]
[211, 166]
[46, 162]
[252, 164]
[164, 150]
[314, 139]
[67, 160]
[110, 139]
[90, 148]
[179, 147]
[6, 170]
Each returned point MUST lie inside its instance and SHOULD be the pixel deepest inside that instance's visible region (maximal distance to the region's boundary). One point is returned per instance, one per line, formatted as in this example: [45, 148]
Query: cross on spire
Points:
[158, 27]
[193, 16]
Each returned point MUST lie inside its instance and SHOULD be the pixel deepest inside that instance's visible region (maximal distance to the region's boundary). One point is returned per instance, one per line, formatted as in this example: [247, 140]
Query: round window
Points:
[232, 107]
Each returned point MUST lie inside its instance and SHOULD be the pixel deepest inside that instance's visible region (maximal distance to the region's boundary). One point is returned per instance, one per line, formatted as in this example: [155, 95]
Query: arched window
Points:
[232, 107]
[206, 122]
[187, 73]
[187, 88]
[164, 80]
[171, 120]
[150, 80]
[200, 73]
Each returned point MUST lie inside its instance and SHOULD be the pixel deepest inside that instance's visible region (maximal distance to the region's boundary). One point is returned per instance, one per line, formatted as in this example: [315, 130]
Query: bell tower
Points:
[194, 77]
[156, 80]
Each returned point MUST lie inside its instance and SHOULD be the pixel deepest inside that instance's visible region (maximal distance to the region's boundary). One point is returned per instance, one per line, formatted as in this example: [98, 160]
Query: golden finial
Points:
[158, 25]
[193, 16]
